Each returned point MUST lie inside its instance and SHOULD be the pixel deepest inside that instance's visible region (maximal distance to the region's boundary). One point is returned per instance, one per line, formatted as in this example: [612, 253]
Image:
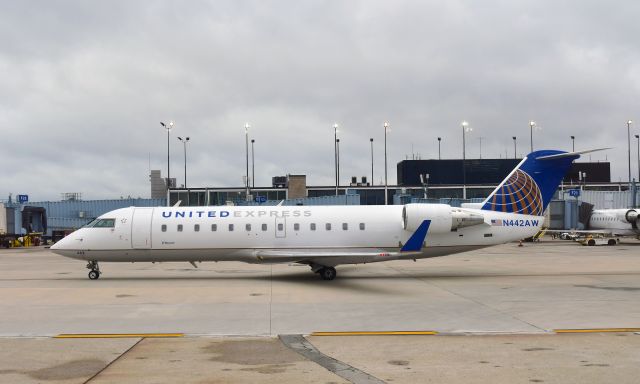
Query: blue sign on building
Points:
[23, 199]
[261, 199]
[574, 192]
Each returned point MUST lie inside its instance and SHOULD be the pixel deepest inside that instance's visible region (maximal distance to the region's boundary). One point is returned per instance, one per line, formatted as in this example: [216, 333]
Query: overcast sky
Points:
[84, 85]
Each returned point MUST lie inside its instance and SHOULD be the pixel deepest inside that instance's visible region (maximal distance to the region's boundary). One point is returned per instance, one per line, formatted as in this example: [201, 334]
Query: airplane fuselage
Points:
[327, 235]
[620, 222]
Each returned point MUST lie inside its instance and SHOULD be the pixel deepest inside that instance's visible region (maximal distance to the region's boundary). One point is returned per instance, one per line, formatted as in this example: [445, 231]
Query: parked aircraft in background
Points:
[607, 223]
[616, 222]
[323, 236]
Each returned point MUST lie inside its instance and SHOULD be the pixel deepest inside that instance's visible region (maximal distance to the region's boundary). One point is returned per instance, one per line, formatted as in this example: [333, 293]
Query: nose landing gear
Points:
[94, 270]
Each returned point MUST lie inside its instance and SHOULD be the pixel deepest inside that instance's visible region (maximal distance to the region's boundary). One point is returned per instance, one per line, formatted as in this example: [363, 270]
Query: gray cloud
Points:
[85, 85]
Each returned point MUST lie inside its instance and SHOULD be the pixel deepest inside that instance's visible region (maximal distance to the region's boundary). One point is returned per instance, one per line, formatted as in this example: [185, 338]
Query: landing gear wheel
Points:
[94, 275]
[328, 273]
[94, 270]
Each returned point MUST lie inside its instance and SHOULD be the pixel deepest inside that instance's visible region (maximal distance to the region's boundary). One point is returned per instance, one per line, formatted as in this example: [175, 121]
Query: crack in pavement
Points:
[302, 346]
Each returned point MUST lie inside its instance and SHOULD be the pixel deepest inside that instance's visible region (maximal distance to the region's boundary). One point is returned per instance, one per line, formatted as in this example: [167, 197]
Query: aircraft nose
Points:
[62, 245]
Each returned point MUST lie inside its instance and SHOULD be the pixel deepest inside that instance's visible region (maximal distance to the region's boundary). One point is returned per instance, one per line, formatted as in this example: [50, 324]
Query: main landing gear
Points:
[326, 273]
[94, 270]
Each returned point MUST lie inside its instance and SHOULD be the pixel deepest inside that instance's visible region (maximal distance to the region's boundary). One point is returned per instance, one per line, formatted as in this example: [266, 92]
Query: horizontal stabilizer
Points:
[570, 154]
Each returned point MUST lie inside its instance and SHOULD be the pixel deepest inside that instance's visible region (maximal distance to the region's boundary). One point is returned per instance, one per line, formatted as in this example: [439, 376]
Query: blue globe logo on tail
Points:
[530, 187]
[518, 194]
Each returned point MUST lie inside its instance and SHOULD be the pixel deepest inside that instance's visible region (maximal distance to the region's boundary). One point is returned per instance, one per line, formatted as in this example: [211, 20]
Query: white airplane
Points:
[615, 222]
[622, 222]
[323, 236]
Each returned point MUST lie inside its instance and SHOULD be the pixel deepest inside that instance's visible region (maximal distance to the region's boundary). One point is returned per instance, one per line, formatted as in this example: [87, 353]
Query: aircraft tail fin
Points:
[528, 189]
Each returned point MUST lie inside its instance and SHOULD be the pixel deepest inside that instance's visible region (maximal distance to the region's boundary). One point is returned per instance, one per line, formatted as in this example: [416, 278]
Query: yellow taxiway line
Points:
[596, 330]
[114, 335]
[374, 333]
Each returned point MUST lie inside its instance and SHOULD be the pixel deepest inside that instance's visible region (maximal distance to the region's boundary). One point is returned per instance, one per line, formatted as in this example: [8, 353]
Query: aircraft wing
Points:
[607, 232]
[336, 255]
[333, 256]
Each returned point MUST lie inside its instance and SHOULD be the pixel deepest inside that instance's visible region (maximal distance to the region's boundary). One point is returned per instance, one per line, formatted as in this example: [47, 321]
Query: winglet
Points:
[416, 240]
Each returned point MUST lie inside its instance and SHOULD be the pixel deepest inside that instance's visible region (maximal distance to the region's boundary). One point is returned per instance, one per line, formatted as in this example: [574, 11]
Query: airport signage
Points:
[261, 199]
[23, 199]
[574, 192]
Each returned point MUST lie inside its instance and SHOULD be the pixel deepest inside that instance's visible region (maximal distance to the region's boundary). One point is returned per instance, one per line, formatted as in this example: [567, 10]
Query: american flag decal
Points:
[496, 223]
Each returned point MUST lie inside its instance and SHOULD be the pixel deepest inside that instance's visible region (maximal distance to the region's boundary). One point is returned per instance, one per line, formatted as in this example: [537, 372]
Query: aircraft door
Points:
[281, 227]
[141, 228]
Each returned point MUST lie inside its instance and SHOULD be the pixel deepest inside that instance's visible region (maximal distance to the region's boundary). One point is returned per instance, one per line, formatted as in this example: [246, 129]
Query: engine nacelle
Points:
[443, 217]
[631, 216]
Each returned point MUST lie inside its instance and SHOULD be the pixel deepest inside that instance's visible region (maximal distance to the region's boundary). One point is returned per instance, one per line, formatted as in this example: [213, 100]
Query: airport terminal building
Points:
[416, 179]
[429, 181]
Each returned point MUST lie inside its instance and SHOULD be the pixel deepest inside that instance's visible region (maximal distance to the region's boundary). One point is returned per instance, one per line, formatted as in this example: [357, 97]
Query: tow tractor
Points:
[593, 241]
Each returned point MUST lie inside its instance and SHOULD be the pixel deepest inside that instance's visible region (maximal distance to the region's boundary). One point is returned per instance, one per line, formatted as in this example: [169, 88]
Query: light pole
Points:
[629, 145]
[371, 141]
[386, 192]
[246, 141]
[480, 139]
[168, 128]
[515, 148]
[439, 140]
[335, 154]
[253, 166]
[573, 143]
[338, 155]
[582, 176]
[638, 140]
[531, 125]
[465, 129]
[184, 143]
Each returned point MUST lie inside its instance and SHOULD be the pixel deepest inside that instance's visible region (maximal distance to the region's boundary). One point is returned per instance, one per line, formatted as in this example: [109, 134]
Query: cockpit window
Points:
[92, 223]
[105, 223]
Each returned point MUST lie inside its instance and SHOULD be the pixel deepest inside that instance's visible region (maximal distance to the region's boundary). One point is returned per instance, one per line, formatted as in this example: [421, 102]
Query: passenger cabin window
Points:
[196, 227]
[247, 227]
[296, 227]
[214, 227]
[345, 226]
[362, 226]
[179, 227]
[164, 228]
[312, 226]
[264, 227]
[104, 223]
[230, 227]
[327, 226]
[280, 227]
